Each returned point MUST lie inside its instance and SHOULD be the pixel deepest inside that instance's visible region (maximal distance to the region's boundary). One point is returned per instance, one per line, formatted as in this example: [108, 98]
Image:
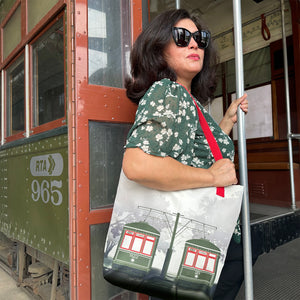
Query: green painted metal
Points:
[34, 195]
[132, 259]
[198, 275]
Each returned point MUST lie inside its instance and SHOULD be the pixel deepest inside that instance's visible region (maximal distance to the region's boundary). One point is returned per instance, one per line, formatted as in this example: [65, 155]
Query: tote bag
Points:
[171, 245]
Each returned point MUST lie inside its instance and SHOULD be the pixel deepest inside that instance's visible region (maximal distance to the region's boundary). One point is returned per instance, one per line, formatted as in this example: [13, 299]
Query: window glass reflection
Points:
[15, 97]
[108, 41]
[106, 142]
[48, 76]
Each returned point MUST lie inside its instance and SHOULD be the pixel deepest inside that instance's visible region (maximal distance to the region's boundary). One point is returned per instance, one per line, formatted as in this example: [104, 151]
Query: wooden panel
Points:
[270, 152]
[271, 166]
[272, 188]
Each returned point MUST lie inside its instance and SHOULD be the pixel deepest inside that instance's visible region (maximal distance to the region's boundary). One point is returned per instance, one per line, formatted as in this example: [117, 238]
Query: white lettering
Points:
[47, 165]
[47, 191]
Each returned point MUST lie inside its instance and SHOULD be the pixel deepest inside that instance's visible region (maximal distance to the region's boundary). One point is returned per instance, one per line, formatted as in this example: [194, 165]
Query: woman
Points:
[173, 61]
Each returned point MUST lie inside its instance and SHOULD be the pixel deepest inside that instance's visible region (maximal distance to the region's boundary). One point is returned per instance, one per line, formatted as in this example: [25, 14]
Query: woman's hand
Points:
[230, 117]
[223, 172]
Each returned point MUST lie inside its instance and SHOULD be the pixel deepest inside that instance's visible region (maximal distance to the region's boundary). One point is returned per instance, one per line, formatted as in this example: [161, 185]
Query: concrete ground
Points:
[9, 289]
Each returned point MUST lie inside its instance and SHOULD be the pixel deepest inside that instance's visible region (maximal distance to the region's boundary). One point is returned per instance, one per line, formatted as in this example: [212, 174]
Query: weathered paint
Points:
[34, 195]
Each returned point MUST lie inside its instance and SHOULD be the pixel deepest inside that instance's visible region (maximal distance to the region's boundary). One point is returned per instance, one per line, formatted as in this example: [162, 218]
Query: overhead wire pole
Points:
[238, 42]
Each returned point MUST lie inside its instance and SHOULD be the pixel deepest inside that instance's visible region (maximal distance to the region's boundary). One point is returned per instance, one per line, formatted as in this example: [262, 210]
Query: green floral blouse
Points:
[167, 124]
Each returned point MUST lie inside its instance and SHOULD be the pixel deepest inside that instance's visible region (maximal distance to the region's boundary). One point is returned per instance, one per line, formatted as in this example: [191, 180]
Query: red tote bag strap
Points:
[214, 147]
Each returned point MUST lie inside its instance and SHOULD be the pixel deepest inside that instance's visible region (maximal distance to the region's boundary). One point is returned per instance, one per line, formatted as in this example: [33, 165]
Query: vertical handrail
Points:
[27, 100]
[288, 111]
[177, 4]
[242, 150]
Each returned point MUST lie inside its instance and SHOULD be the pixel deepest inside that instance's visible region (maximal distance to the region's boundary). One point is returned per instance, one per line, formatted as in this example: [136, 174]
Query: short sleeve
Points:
[165, 121]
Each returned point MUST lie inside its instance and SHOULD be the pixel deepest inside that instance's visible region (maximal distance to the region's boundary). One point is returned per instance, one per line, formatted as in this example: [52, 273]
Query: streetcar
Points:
[64, 117]
[137, 246]
[199, 261]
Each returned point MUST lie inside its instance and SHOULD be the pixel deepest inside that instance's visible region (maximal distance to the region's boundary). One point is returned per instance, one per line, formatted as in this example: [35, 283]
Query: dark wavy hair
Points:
[149, 65]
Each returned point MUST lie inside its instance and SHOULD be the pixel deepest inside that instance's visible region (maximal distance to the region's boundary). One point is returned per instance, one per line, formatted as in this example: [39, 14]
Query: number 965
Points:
[47, 191]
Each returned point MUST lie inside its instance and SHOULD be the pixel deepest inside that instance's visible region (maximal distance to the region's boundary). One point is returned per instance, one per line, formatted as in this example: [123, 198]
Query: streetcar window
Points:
[149, 244]
[108, 42]
[138, 242]
[200, 262]
[190, 257]
[37, 9]
[211, 262]
[48, 76]
[15, 97]
[12, 32]
[126, 242]
[106, 142]
[259, 121]
[257, 69]
[204, 260]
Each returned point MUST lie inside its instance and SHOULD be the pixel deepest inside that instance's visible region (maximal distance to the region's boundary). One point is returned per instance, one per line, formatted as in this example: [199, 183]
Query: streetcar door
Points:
[100, 118]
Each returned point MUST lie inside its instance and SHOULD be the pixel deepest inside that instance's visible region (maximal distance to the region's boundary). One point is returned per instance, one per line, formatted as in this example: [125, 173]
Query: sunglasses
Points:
[182, 37]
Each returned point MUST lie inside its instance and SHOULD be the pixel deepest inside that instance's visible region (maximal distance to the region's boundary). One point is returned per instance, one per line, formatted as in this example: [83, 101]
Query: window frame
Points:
[21, 134]
[205, 255]
[134, 235]
[54, 123]
[24, 48]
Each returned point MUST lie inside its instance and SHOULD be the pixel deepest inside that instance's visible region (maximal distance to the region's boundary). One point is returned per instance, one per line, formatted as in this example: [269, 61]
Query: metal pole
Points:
[177, 4]
[288, 111]
[170, 249]
[242, 150]
[27, 101]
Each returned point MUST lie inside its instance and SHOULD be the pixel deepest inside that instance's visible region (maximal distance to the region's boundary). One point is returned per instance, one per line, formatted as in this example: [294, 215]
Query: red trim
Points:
[20, 134]
[8, 61]
[91, 102]
[134, 237]
[206, 255]
[72, 147]
[27, 36]
[23, 18]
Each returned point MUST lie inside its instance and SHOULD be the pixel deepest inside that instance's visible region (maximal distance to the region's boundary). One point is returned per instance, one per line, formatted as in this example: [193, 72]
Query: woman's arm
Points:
[230, 117]
[167, 174]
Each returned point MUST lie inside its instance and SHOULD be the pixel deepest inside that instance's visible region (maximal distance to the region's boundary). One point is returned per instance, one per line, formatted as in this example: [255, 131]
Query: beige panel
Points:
[37, 9]
[12, 33]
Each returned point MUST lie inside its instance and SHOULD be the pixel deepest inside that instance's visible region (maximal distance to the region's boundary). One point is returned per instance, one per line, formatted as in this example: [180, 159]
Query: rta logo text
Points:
[47, 165]
[47, 190]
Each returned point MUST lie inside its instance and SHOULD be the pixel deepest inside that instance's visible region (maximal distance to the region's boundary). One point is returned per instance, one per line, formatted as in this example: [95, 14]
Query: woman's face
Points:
[187, 61]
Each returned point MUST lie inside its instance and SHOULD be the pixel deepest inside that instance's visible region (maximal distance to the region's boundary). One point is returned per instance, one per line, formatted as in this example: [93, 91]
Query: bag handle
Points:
[214, 147]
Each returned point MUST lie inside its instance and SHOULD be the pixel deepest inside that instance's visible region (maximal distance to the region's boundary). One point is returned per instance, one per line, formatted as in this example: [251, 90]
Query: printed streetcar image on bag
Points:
[171, 245]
